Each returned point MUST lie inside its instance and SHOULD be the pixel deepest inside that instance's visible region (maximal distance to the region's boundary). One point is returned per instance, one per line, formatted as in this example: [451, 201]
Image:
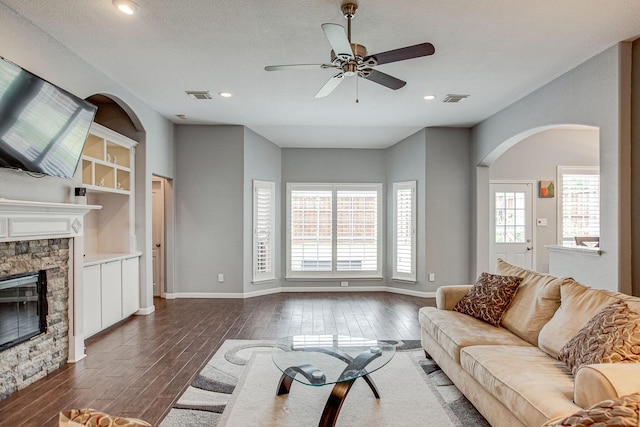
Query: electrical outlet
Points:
[220, 278]
[432, 277]
[344, 284]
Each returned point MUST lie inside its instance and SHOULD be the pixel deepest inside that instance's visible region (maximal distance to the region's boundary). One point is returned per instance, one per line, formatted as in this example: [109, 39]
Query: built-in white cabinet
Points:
[91, 299]
[111, 292]
[130, 288]
[111, 281]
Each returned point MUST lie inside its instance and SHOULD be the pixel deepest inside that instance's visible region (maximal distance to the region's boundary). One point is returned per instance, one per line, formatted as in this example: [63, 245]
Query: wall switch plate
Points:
[432, 277]
[344, 283]
[220, 277]
[541, 222]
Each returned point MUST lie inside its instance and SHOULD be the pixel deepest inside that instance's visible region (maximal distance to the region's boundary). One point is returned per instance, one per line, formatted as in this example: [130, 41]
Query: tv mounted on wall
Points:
[43, 128]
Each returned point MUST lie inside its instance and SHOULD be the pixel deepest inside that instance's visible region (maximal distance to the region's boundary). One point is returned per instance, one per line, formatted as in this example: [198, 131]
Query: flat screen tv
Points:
[43, 128]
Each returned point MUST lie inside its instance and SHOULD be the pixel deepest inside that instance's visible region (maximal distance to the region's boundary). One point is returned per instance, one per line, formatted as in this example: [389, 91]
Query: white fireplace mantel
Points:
[28, 220]
[22, 220]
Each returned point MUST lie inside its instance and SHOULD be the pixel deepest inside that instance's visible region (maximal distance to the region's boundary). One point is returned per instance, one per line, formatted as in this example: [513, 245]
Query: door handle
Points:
[157, 245]
[529, 248]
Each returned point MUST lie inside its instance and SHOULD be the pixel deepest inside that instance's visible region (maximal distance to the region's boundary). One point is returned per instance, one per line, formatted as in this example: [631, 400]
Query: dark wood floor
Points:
[141, 365]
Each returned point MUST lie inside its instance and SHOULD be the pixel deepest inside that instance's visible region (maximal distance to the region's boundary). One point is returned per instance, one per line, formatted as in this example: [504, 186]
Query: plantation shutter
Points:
[404, 230]
[357, 230]
[263, 230]
[311, 230]
[580, 207]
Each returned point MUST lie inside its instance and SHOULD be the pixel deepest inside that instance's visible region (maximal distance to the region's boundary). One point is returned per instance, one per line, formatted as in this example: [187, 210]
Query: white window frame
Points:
[268, 273]
[561, 170]
[334, 273]
[397, 188]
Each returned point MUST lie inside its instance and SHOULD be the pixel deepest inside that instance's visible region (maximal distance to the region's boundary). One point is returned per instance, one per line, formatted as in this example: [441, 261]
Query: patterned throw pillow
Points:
[621, 412]
[611, 336]
[489, 298]
[93, 418]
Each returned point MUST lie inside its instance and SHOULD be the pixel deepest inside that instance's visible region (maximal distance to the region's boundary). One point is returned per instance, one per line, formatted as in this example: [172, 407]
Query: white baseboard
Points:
[145, 311]
[252, 294]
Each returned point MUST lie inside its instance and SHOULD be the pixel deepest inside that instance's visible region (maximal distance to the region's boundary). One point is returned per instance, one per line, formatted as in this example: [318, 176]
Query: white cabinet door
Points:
[91, 300]
[130, 286]
[111, 293]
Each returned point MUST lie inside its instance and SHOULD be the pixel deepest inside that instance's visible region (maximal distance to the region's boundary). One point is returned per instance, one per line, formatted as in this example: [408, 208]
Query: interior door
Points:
[157, 194]
[511, 224]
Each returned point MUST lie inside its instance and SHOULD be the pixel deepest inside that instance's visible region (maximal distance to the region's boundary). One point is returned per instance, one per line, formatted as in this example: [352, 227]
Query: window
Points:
[404, 231]
[510, 217]
[263, 230]
[333, 230]
[579, 203]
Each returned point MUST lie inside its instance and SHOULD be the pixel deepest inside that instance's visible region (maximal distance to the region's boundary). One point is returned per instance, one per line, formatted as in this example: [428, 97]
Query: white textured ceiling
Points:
[497, 51]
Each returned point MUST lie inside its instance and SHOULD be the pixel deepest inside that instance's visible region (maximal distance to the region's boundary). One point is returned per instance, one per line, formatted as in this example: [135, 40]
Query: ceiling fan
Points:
[351, 59]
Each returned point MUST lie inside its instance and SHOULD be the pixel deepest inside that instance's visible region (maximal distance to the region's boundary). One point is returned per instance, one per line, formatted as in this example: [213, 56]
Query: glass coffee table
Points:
[317, 360]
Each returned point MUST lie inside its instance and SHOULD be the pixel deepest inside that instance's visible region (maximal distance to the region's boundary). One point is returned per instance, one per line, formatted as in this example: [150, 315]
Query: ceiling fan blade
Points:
[337, 39]
[298, 67]
[383, 79]
[330, 85]
[409, 52]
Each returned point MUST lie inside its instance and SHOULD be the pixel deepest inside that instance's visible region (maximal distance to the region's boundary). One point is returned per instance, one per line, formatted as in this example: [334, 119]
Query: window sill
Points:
[575, 250]
[262, 281]
[331, 278]
[407, 281]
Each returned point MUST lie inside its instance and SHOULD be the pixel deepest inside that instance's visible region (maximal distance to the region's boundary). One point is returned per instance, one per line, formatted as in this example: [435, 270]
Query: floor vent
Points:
[454, 98]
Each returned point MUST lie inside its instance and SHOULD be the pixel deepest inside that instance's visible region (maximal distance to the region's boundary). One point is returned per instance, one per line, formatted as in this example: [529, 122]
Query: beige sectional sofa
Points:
[511, 373]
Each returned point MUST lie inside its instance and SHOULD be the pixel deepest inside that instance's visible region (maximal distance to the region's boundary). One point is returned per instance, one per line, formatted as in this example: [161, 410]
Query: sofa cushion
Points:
[602, 381]
[536, 301]
[454, 331]
[611, 336]
[621, 412]
[542, 391]
[578, 304]
[489, 298]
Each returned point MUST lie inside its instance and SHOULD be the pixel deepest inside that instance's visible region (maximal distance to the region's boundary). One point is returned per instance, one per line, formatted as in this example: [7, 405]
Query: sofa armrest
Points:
[602, 381]
[448, 296]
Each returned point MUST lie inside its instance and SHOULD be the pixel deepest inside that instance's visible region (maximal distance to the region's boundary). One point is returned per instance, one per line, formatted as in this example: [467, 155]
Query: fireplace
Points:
[23, 308]
[41, 249]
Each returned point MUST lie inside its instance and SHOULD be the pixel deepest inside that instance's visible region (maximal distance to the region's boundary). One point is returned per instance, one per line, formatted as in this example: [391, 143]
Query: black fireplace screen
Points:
[23, 308]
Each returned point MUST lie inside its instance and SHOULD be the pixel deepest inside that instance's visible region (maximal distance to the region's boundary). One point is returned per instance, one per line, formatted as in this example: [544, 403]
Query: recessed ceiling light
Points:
[429, 97]
[225, 94]
[126, 6]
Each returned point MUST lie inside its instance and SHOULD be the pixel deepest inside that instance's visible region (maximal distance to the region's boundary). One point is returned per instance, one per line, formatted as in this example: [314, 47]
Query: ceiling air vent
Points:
[199, 94]
[454, 98]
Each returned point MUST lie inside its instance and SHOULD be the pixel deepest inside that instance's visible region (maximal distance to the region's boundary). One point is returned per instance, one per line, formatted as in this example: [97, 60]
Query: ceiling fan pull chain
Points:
[357, 92]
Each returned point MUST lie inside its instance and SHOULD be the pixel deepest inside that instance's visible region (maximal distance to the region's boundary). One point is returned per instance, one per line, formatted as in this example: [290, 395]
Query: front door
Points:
[511, 224]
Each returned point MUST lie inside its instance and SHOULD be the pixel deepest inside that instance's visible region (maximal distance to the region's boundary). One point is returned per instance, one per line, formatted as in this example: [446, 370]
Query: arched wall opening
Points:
[534, 155]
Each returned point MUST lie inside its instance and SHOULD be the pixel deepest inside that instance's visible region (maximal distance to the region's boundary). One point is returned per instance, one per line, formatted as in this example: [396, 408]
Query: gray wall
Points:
[209, 192]
[590, 95]
[262, 161]
[536, 158]
[448, 206]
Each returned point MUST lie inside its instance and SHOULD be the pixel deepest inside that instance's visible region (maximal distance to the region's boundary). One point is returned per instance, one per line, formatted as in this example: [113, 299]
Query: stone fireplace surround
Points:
[44, 236]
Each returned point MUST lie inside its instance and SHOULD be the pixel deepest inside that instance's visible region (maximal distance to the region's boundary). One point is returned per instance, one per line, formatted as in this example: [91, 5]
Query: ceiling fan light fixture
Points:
[126, 6]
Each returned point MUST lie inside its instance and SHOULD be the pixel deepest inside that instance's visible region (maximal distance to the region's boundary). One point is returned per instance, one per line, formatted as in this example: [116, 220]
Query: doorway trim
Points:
[168, 290]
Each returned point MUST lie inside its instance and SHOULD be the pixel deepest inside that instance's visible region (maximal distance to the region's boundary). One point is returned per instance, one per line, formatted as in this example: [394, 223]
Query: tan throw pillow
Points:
[611, 336]
[621, 412]
[93, 418]
[489, 298]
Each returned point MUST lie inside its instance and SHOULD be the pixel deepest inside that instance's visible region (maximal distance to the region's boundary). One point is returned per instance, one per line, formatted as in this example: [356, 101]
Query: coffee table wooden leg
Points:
[334, 403]
[372, 386]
